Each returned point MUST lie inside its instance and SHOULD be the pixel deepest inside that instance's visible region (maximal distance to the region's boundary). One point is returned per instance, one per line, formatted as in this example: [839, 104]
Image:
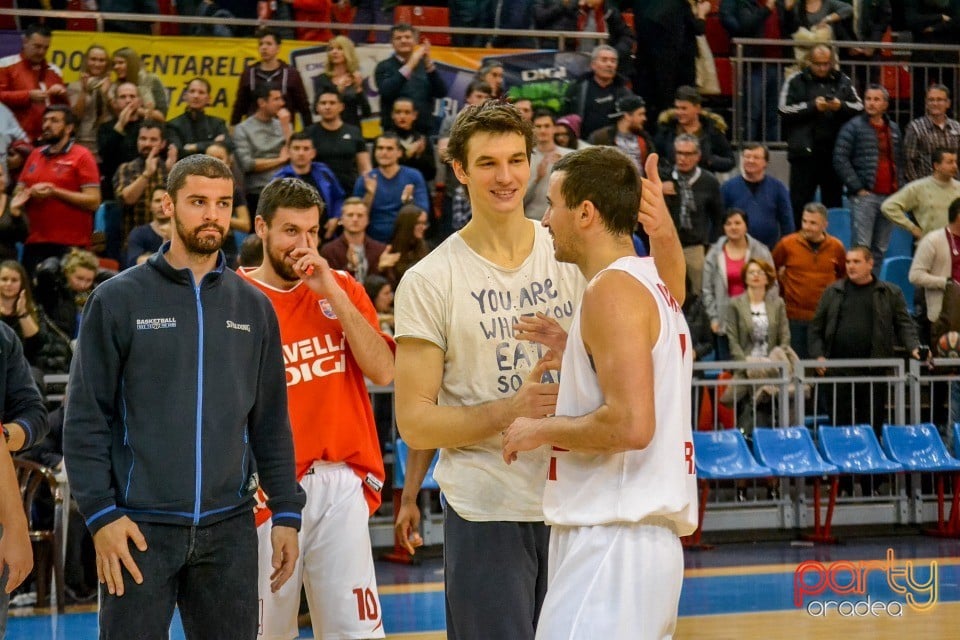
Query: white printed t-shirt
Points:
[466, 305]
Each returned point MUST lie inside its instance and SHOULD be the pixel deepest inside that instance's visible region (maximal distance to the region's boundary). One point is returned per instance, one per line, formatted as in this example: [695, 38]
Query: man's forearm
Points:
[418, 462]
[667, 254]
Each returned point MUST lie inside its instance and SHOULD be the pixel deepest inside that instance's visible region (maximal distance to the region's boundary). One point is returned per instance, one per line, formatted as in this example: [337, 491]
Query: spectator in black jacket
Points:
[688, 116]
[814, 104]
[933, 22]
[194, 130]
[693, 197]
[270, 70]
[594, 96]
[752, 19]
[409, 72]
[585, 15]
[666, 48]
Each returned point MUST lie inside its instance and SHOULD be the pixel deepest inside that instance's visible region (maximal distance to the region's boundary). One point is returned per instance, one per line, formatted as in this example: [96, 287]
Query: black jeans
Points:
[806, 174]
[209, 572]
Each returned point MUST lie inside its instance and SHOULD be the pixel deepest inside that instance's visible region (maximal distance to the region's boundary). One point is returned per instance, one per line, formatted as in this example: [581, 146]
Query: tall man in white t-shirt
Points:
[620, 483]
[464, 373]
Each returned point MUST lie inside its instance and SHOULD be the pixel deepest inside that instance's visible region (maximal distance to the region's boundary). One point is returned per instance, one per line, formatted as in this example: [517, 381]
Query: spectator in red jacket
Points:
[28, 83]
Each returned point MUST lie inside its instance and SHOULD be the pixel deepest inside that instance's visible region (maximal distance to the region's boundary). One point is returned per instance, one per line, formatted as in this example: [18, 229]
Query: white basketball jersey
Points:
[658, 481]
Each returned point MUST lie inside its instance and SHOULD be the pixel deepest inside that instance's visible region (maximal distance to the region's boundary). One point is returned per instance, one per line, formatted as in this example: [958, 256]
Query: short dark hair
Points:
[69, 117]
[263, 32]
[388, 135]
[545, 113]
[953, 210]
[373, 284]
[300, 135]
[864, 250]
[478, 85]
[287, 192]
[686, 93]
[37, 29]
[938, 153]
[413, 103]
[753, 146]
[263, 91]
[205, 82]
[493, 116]
[401, 26]
[251, 251]
[608, 178]
[734, 211]
[154, 124]
[324, 92]
[198, 164]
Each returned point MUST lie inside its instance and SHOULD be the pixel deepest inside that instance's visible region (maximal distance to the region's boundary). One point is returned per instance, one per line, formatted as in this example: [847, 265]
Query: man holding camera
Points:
[814, 103]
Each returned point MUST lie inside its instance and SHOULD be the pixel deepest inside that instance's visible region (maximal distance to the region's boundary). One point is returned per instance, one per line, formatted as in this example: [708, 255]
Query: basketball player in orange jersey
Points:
[331, 340]
[620, 483]
[463, 375]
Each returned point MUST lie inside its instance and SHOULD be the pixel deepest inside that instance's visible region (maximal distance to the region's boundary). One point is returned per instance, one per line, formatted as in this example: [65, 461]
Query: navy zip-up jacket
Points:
[177, 400]
[22, 402]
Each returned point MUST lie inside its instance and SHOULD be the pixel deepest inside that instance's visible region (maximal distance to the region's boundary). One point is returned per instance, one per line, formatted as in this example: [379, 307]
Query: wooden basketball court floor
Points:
[734, 591]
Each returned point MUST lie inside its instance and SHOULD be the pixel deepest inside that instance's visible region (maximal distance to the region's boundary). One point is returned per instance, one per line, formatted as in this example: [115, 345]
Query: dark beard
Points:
[200, 246]
[280, 267]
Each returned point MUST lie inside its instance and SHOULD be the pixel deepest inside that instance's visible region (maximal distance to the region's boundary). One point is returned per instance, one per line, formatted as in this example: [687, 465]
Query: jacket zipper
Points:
[199, 456]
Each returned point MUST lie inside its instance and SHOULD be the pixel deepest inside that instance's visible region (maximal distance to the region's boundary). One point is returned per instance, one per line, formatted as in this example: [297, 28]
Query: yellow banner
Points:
[179, 59]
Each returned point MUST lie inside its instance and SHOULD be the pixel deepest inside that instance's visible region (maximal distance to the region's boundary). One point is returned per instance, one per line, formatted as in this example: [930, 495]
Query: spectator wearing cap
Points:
[594, 96]
[545, 153]
[688, 116]
[567, 133]
[627, 132]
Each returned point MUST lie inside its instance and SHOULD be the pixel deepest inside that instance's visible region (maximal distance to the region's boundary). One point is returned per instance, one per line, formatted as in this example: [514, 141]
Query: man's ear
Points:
[459, 172]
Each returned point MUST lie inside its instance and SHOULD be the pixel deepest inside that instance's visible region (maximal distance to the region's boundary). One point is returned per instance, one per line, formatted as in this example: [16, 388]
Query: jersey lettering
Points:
[688, 456]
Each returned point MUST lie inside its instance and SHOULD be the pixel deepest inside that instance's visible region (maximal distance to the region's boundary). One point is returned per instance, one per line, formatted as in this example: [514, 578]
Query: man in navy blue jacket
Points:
[765, 199]
[317, 175]
[177, 412]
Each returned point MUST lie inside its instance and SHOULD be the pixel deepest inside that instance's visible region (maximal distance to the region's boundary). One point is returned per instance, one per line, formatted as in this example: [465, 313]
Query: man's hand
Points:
[286, 549]
[715, 327]
[314, 270]
[834, 104]
[330, 228]
[407, 194]
[172, 154]
[821, 370]
[541, 329]
[522, 435]
[820, 103]
[42, 190]
[57, 90]
[19, 200]
[16, 553]
[388, 258]
[126, 114]
[151, 162]
[113, 552]
[407, 527]
[536, 399]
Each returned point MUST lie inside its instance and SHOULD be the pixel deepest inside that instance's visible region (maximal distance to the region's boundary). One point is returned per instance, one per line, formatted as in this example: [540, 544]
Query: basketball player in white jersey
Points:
[620, 484]
[463, 375]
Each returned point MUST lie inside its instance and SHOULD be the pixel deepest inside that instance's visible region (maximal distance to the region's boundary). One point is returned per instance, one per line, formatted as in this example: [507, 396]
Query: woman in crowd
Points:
[408, 240]
[343, 76]
[722, 269]
[153, 95]
[90, 97]
[44, 347]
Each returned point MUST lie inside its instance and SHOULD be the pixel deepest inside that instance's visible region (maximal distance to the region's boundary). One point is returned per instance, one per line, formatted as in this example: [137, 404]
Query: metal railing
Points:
[101, 17]
[757, 80]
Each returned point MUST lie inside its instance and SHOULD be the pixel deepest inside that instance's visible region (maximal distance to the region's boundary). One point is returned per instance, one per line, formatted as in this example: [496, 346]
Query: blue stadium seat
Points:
[918, 447]
[896, 270]
[724, 455]
[956, 439]
[839, 225]
[854, 450]
[790, 453]
[720, 455]
[901, 244]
